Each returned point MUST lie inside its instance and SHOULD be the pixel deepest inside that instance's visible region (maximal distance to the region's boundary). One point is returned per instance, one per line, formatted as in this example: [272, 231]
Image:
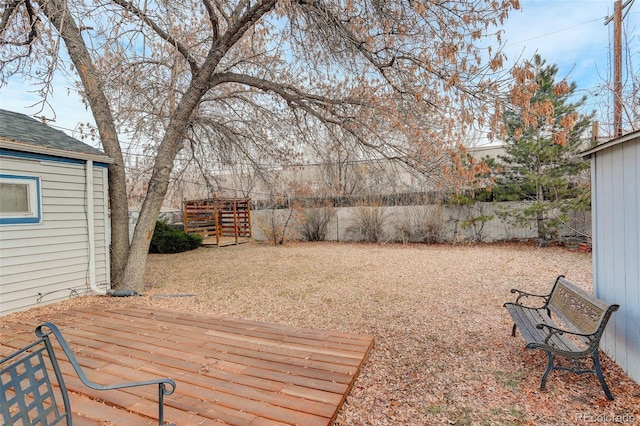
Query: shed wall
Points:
[616, 246]
[49, 261]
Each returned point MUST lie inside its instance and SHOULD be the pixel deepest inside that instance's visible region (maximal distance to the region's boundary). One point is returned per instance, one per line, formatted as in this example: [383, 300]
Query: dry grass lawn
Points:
[443, 352]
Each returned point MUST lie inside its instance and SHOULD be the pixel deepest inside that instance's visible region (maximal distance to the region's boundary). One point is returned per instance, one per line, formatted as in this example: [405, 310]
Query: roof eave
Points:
[622, 139]
[36, 149]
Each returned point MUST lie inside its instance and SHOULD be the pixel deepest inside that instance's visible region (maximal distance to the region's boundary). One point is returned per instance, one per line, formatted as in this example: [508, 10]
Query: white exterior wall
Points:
[47, 262]
[615, 178]
[451, 219]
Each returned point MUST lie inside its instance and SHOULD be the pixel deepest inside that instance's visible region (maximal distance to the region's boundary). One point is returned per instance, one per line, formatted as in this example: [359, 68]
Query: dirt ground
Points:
[443, 352]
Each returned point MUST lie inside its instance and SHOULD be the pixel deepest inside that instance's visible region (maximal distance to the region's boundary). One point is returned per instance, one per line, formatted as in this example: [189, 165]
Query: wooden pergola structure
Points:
[223, 220]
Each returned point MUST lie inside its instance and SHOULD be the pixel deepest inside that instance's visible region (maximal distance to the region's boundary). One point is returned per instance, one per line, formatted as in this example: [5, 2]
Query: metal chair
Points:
[27, 395]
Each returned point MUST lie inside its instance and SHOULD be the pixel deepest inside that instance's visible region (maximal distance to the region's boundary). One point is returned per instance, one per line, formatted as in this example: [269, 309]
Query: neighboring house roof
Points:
[612, 142]
[20, 132]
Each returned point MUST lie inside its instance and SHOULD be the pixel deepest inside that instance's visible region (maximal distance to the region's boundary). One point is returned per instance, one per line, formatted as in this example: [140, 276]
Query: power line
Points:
[553, 32]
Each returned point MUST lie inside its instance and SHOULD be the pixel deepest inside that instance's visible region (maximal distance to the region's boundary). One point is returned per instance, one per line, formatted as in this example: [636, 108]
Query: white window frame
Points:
[34, 215]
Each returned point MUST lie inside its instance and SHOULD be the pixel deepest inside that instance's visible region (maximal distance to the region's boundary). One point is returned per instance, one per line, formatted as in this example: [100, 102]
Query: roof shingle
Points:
[23, 129]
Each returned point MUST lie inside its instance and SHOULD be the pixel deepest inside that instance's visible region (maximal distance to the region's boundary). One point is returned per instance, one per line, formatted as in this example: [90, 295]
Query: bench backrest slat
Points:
[576, 307]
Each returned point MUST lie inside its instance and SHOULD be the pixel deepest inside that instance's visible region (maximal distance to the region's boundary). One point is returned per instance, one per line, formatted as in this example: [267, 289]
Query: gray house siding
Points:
[615, 176]
[49, 261]
[54, 227]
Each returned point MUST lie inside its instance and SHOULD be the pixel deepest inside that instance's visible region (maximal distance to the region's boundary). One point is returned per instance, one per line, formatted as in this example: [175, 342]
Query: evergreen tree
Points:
[545, 134]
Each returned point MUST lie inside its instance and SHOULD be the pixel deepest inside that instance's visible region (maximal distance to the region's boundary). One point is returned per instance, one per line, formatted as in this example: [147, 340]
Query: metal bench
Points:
[28, 396]
[567, 322]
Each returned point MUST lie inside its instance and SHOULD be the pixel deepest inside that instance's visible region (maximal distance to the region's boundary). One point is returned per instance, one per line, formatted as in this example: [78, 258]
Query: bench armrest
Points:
[524, 295]
[553, 330]
[165, 386]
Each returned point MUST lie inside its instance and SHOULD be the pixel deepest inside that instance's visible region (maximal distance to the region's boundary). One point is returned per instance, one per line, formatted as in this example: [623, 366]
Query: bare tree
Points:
[399, 77]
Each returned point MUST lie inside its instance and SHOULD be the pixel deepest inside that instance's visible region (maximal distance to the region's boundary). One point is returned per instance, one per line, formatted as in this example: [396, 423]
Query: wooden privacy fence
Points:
[228, 220]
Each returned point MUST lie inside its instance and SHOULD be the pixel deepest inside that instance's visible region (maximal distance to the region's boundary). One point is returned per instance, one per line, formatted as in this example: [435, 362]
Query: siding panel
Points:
[47, 262]
[603, 188]
[616, 232]
[35, 244]
[616, 291]
[46, 231]
[65, 255]
[631, 312]
[45, 282]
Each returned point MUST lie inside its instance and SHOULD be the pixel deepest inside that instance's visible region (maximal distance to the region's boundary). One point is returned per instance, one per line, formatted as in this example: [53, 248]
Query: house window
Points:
[20, 200]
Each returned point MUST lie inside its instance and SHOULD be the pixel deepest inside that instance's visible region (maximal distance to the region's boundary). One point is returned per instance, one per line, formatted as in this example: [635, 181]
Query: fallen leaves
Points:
[443, 347]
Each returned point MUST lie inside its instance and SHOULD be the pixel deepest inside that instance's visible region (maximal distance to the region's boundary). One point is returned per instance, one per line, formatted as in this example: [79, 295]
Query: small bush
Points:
[424, 224]
[431, 224]
[168, 240]
[368, 223]
[278, 226]
[315, 223]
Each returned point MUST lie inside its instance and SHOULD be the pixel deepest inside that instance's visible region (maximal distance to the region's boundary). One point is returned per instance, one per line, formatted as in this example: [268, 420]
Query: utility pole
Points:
[617, 64]
[617, 69]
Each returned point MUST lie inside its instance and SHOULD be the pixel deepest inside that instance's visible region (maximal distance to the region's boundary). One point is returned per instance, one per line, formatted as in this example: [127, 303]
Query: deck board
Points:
[231, 371]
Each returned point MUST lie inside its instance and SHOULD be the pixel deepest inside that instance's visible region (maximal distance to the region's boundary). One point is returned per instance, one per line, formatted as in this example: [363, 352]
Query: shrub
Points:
[168, 240]
[421, 224]
[368, 223]
[278, 226]
[315, 223]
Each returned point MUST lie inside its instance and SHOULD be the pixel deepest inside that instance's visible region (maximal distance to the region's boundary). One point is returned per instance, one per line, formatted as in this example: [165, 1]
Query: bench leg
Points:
[513, 330]
[596, 365]
[543, 382]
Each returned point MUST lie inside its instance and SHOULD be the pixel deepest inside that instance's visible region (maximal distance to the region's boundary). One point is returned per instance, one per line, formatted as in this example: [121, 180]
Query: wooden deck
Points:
[227, 371]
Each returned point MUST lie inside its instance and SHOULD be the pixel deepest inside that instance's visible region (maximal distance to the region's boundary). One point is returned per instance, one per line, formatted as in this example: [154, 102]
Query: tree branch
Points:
[183, 50]
[11, 8]
[213, 18]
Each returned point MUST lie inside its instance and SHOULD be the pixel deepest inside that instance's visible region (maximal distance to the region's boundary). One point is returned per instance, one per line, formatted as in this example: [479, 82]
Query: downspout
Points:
[91, 230]
[107, 221]
[91, 234]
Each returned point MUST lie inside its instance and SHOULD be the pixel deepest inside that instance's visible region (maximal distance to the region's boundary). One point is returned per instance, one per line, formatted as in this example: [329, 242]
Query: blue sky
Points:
[573, 35]
[569, 33]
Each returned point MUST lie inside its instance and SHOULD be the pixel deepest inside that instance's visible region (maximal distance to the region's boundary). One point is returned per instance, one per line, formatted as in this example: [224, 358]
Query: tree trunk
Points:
[172, 143]
[128, 262]
[57, 12]
[158, 184]
[542, 233]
